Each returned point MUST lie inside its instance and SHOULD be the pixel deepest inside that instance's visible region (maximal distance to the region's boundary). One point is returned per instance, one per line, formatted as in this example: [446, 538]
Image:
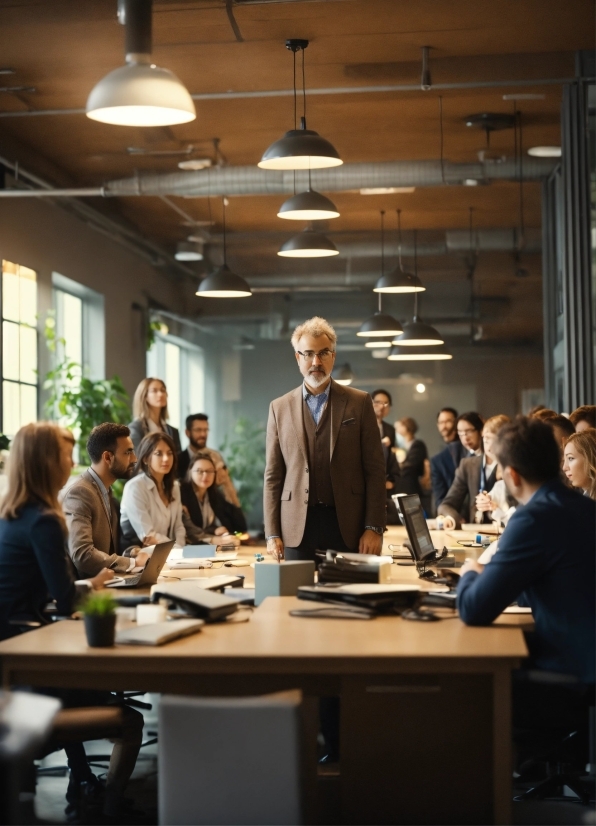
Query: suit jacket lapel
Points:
[338, 399]
[296, 403]
[112, 518]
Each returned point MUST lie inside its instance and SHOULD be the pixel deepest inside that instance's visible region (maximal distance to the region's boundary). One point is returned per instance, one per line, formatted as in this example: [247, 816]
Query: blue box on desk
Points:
[283, 579]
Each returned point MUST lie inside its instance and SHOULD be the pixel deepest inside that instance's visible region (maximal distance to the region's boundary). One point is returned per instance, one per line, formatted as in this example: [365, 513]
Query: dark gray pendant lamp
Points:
[398, 280]
[223, 283]
[300, 148]
[380, 325]
[343, 375]
[416, 333]
[439, 353]
[308, 244]
[308, 206]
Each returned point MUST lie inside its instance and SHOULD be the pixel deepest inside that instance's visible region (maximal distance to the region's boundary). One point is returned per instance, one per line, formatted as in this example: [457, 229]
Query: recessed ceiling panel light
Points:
[545, 151]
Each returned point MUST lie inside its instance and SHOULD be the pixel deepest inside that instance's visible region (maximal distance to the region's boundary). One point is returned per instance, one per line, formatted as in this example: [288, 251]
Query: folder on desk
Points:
[158, 633]
[383, 599]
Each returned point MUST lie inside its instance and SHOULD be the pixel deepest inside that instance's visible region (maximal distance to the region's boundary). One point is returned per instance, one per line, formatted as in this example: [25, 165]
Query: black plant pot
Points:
[100, 630]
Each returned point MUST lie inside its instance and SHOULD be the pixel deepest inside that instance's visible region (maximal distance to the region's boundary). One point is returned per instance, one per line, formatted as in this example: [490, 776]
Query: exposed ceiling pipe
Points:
[317, 281]
[250, 180]
[338, 90]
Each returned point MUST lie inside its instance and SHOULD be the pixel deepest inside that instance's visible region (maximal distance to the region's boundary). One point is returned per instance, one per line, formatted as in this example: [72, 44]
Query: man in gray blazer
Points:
[325, 472]
[90, 510]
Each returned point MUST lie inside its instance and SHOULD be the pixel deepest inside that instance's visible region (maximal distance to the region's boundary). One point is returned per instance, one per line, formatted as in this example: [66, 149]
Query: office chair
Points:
[231, 760]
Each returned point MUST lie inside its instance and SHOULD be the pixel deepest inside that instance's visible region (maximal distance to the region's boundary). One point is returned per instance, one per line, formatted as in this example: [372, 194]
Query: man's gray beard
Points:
[316, 379]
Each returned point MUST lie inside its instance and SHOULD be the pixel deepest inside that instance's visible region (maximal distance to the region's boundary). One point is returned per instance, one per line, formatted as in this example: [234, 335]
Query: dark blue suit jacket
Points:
[34, 567]
[443, 467]
[547, 554]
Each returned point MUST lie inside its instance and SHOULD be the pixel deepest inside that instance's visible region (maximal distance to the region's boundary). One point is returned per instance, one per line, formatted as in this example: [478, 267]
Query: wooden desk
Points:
[425, 707]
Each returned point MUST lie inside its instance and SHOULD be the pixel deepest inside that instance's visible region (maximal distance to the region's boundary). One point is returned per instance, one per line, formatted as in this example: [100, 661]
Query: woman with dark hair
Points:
[34, 568]
[412, 468]
[150, 411]
[151, 510]
[213, 519]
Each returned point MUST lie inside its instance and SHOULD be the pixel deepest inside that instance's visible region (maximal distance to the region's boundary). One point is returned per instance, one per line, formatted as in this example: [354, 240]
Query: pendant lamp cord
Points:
[295, 96]
[441, 139]
[416, 273]
[401, 266]
[382, 252]
[223, 203]
[303, 90]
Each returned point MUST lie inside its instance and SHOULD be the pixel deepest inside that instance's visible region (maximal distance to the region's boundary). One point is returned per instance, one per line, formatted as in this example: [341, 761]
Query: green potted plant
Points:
[99, 615]
[245, 457]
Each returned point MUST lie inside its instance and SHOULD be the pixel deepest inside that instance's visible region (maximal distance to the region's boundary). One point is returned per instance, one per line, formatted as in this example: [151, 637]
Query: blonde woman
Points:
[150, 411]
[34, 568]
[579, 464]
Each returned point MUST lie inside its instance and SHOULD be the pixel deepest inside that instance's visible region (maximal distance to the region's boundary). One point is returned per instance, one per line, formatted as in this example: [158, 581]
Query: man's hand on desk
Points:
[448, 523]
[471, 565]
[140, 559]
[275, 548]
[370, 543]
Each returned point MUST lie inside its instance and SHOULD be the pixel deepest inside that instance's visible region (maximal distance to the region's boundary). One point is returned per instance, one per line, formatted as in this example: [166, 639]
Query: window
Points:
[80, 322]
[180, 365]
[19, 347]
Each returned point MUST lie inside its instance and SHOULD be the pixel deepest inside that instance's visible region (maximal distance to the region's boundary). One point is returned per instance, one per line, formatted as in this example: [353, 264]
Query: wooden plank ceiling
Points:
[64, 48]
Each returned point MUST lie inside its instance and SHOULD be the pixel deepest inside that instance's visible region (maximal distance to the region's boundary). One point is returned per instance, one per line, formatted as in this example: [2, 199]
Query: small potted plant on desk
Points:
[99, 614]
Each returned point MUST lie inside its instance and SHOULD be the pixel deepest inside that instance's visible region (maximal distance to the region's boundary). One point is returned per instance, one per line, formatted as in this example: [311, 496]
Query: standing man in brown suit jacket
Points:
[325, 472]
[91, 514]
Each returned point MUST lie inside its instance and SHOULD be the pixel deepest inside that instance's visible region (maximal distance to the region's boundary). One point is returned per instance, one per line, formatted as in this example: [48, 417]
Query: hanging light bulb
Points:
[398, 280]
[380, 325]
[223, 283]
[308, 244]
[140, 93]
[416, 333]
[300, 148]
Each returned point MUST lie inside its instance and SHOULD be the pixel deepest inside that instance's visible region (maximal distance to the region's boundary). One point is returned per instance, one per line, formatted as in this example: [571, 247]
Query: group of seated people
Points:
[61, 542]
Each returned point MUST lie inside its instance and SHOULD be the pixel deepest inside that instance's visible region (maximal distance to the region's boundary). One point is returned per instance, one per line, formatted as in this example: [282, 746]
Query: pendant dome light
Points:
[189, 251]
[308, 206]
[416, 333]
[223, 283]
[398, 280]
[308, 244]
[140, 93]
[343, 375]
[439, 353]
[300, 148]
[380, 325]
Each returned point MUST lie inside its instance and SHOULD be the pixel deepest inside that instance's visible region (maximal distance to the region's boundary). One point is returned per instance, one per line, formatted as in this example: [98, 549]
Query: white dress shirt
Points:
[143, 507]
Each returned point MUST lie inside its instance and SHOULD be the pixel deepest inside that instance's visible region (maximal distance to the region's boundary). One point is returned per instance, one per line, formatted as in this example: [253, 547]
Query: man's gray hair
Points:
[314, 327]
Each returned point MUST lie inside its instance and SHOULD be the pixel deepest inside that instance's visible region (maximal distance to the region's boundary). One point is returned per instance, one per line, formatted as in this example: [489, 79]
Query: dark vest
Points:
[318, 440]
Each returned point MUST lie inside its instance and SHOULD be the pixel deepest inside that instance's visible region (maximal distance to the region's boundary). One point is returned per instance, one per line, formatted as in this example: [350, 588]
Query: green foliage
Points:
[99, 604]
[154, 327]
[4, 442]
[245, 458]
[77, 401]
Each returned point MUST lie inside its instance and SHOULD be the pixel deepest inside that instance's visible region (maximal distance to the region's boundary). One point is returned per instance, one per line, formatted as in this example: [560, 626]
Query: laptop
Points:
[423, 551]
[149, 574]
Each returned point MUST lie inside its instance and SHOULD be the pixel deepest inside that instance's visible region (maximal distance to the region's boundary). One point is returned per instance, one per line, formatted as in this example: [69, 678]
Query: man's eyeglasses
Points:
[381, 404]
[309, 355]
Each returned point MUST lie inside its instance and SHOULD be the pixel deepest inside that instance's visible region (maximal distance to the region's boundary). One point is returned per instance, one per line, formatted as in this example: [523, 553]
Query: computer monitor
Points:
[418, 533]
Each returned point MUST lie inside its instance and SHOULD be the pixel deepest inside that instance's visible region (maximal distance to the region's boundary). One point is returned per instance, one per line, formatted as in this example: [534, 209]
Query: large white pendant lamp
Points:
[223, 283]
[300, 148]
[140, 93]
[398, 280]
[380, 325]
[308, 244]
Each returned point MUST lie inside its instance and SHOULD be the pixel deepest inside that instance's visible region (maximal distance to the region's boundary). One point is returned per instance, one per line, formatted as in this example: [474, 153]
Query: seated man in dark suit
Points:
[545, 556]
[91, 513]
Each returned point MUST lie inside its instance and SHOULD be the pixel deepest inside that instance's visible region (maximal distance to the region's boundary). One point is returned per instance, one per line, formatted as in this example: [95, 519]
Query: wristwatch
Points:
[374, 528]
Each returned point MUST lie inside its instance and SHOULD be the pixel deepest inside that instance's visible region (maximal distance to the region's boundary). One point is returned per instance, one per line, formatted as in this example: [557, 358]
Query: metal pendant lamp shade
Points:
[375, 344]
[308, 244]
[308, 206]
[439, 353]
[398, 281]
[380, 325]
[139, 93]
[300, 149]
[223, 283]
[188, 251]
[418, 334]
[343, 375]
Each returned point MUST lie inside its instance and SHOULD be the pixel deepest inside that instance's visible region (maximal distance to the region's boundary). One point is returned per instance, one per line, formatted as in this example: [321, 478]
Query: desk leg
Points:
[502, 758]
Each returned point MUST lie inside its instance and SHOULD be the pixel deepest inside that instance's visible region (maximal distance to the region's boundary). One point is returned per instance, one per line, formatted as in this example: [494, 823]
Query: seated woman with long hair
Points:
[151, 509]
[213, 520]
[150, 411]
[34, 568]
[579, 464]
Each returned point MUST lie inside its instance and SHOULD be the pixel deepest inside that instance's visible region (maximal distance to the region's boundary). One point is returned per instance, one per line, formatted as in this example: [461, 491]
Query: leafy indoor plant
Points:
[245, 457]
[99, 614]
[77, 401]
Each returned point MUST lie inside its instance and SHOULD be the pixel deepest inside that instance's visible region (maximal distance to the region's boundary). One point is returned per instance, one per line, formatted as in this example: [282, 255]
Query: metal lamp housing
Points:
[380, 325]
[418, 334]
[308, 206]
[398, 281]
[308, 244]
[223, 283]
[140, 94]
[439, 353]
[300, 149]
